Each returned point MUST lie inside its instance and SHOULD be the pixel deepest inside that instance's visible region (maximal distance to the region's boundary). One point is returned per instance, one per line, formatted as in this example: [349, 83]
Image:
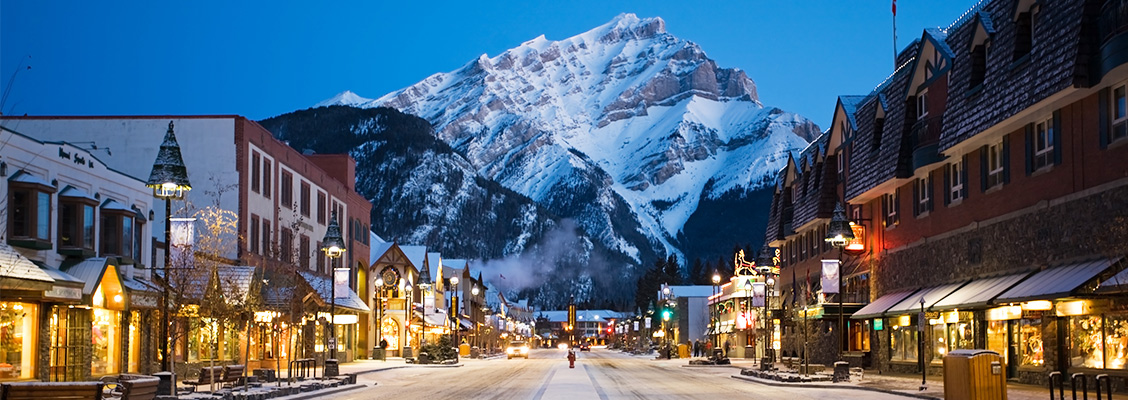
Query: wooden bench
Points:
[51, 390]
[232, 373]
[139, 389]
[208, 375]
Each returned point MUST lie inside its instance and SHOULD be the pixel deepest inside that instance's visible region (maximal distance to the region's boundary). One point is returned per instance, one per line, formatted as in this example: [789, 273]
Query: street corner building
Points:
[87, 279]
[984, 182]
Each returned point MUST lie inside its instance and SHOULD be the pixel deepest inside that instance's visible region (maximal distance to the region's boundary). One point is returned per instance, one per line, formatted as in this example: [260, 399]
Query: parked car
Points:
[517, 348]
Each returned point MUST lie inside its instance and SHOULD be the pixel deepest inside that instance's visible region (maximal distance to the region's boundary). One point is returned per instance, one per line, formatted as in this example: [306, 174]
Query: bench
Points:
[208, 375]
[131, 387]
[51, 390]
[232, 373]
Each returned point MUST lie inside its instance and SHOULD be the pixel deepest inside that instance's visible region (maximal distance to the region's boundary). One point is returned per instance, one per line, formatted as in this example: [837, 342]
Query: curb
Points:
[822, 386]
[369, 371]
[313, 395]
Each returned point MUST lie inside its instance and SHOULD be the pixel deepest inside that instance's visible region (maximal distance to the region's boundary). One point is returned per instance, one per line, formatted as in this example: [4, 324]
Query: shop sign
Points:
[878, 324]
[1031, 314]
[858, 244]
[64, 292]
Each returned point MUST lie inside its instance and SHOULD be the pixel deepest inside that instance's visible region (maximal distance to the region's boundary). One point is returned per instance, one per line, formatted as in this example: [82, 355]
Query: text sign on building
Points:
[63, 292]
[858, 244]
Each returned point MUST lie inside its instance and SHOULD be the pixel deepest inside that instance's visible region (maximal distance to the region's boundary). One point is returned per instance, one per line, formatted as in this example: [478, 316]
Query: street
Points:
[601, 373]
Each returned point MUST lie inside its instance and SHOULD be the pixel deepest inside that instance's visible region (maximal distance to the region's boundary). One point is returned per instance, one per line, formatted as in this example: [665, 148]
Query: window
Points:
[303, 252]
[138, 237]
[305, 199]
[1087, 348]
[117, 230]
[29, 202]
[923, 192]
[267, 249]
[922, 104]
[287, 187]
[320, 258]
[253, 241]
[287, 245]
[902, 342]
[255, 173]
[1031, 350]
[891, 207]
[1119, 114]
[76, 223]
[878, 128]
[321, 207]
[955, 175]
[1043, 144]
[995, 166]
[978, 65]
[1024, 34]
[266, 186]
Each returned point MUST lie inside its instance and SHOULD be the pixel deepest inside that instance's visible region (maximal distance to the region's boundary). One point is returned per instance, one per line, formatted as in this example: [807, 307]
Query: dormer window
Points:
[978, 65]
[1025, 18]
[922, 104]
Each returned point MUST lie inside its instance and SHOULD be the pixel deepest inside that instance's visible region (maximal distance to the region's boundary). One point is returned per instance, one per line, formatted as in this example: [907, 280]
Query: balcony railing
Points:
[924, 140]
[1113, 19]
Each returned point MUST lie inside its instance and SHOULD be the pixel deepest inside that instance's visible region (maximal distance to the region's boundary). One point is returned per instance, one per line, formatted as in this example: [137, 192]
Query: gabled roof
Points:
[71, 191]
[435, 263]
[237, 281]
[90, 271]
[27, 177]
[377, 250]
[323, 287]
[417, 255]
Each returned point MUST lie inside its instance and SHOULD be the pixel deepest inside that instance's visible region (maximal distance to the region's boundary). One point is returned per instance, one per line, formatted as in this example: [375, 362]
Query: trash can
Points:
[683, 351]
[464, 350]
[378, 353]
[974, 374]
[749, 352]
[332, 368]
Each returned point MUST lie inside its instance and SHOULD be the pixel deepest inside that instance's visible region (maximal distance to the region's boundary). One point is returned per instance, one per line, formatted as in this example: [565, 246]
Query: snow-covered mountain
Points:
[625, 128]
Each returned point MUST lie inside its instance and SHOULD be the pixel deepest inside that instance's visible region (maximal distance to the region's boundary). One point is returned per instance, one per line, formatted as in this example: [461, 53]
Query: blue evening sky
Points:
[267, 58]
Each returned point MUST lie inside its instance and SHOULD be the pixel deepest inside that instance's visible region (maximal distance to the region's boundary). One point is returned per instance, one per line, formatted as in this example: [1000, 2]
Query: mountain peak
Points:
[345, 98]
[627, 26]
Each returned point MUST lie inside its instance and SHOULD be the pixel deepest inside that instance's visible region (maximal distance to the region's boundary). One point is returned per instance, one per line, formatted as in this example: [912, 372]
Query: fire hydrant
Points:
[571, 359]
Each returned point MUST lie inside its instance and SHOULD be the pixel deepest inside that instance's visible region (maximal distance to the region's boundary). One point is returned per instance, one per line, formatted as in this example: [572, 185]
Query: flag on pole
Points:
[894, 8]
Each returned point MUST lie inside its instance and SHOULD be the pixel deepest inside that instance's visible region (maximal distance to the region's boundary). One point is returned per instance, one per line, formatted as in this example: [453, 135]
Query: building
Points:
[280, 203]
[691, 318]
[1004, 135]
[76, 299]
[591, 326]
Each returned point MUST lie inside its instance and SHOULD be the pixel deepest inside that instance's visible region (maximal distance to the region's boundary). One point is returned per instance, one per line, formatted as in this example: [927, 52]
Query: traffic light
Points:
[666, 314]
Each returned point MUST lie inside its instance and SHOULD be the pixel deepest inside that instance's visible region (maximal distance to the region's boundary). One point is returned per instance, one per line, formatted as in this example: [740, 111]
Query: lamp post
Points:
[713, 310]
[766, 265]
[474, 295]
[407, 306]
[839, 234]
[456, 316]
[333, 246]
[746, 314]
[380, 316]
[169, 180]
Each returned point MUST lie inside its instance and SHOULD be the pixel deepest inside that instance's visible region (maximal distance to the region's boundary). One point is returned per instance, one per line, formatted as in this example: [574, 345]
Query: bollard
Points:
[1084, 385]
[1061, 386]
[1108, 385]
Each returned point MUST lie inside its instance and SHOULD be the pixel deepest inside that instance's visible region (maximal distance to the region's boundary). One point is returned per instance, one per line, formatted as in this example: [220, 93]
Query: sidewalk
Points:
[902, 384]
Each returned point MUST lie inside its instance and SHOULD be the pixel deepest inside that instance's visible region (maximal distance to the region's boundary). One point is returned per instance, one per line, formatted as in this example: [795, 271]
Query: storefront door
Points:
[1013, 348]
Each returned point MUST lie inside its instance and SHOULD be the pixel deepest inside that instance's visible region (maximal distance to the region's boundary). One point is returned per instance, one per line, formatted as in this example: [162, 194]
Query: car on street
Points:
[517, 348]
[585, 347]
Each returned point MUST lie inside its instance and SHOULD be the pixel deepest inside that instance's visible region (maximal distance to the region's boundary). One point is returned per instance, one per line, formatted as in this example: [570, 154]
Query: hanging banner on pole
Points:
[636, 326]
[647, 322]
[341, 282]
[830, 271]
[758, 294]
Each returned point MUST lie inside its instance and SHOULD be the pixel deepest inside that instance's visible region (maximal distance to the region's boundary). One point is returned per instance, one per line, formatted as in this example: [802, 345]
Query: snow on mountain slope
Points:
[622, 128]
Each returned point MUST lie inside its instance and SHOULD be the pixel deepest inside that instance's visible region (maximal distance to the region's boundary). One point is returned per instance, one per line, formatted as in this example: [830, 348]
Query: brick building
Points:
[987, 177]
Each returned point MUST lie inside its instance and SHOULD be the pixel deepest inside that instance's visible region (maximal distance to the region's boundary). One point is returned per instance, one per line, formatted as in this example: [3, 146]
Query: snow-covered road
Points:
[599, 374]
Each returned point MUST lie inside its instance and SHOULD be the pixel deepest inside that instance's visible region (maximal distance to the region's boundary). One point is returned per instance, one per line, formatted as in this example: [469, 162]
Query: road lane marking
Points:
[598, 389]
[544, 386]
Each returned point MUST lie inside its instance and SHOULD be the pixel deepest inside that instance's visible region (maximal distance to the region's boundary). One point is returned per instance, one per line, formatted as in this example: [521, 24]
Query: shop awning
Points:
[931, 296]
[436, 317]
[349, 301]
[878, 307]
[1054, 282]
[979, 292]
[14, 265]
[1117, 284]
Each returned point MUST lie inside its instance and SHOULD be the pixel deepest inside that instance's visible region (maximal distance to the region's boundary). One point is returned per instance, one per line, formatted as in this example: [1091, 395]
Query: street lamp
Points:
[333, 246]
[713, 310]
[838, 234]
[380, 317]
[765, 263]
[407, 306]
[169, 180]
[474, 295]
[455, 315]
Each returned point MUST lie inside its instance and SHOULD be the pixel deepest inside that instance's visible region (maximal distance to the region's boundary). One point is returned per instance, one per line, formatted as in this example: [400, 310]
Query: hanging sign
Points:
[647, 322]
[636, 326]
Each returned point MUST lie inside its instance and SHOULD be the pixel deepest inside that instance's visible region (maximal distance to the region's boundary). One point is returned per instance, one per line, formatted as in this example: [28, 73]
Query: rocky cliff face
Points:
[625, 128]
